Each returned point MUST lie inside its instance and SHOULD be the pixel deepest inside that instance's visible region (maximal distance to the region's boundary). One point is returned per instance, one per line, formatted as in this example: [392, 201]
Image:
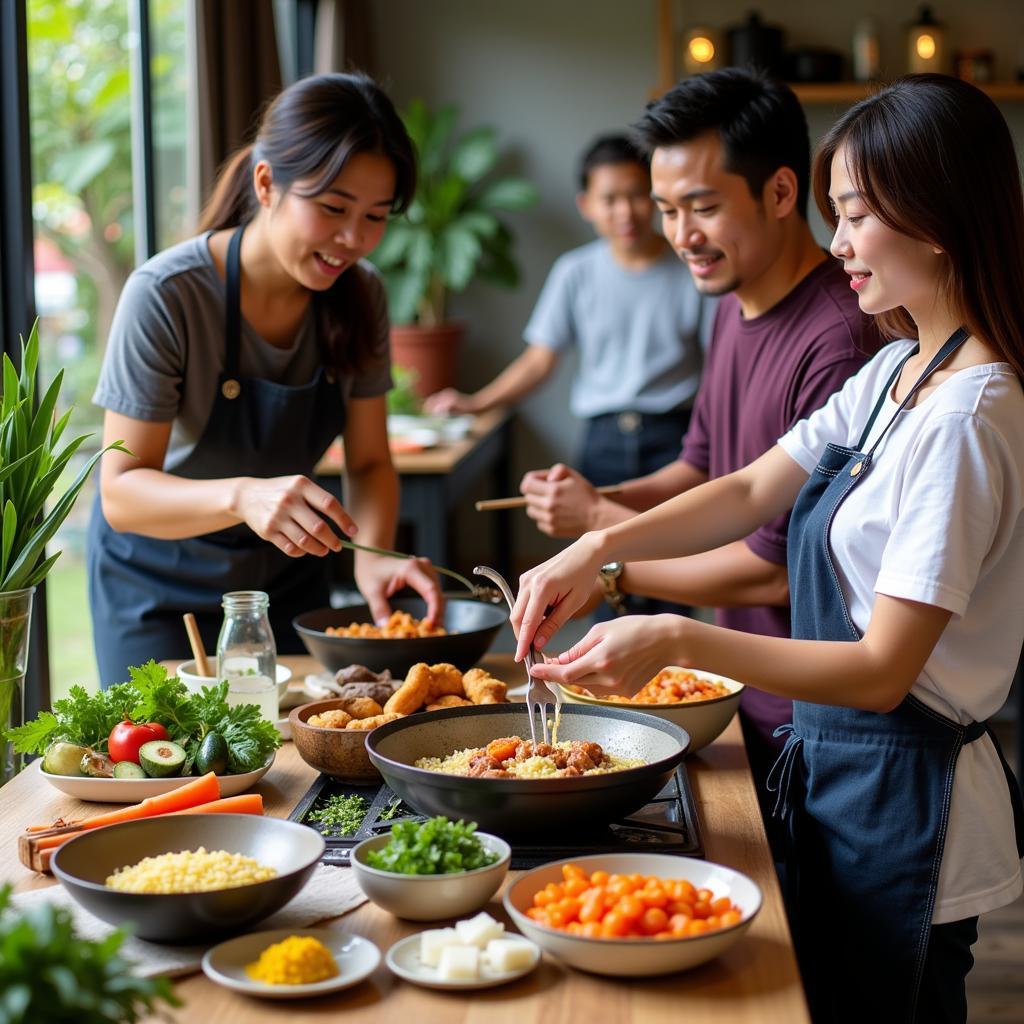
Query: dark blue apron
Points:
[865, 796]
[139, 587]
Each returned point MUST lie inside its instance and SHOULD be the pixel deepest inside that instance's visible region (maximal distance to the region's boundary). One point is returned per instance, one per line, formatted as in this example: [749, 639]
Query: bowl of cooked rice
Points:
[188, 878]
[701, 703]
[338, 637]
[478, 763]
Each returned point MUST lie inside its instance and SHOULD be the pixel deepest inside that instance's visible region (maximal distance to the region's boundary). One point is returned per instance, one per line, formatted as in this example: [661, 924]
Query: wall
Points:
[553, 74]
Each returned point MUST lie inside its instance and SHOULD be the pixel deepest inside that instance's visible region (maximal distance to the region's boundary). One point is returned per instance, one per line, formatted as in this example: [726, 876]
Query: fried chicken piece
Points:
[365, 724]
[450, 701]
[413, 693]
[333, 719]
[483, 688]
[362, 707]
[445, 681]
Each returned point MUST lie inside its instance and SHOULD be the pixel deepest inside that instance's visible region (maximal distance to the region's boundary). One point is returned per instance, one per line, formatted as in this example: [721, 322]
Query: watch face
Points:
[613, 570]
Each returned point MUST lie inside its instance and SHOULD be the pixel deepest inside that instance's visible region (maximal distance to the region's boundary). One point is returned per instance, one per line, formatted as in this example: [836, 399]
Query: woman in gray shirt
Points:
[235, 359]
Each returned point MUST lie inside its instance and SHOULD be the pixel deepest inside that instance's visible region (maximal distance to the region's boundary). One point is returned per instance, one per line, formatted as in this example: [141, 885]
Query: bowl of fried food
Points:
[330, 735]
[702, 703]
[337, 637]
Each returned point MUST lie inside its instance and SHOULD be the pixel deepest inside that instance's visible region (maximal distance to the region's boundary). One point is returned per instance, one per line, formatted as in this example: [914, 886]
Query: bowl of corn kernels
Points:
[702, 703]
[188, 878]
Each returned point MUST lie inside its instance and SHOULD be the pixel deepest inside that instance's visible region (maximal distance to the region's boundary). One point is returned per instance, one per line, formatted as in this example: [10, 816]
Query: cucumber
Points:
[213, 754]
[128, 770]
[160, 758]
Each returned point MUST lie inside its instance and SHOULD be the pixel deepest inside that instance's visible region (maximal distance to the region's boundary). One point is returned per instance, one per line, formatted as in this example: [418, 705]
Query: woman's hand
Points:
[621, 654]
[292, 513]
[551, 592]
[380, 577]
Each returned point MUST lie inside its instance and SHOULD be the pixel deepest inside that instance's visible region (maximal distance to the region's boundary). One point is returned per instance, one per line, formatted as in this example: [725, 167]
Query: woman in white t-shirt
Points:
[906, 556]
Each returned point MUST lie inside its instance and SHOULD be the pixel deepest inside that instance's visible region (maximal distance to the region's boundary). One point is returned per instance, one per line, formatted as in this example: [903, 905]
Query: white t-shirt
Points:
[938, 520]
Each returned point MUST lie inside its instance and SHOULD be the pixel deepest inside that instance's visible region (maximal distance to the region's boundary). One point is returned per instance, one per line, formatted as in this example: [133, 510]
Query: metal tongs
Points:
[539, 692]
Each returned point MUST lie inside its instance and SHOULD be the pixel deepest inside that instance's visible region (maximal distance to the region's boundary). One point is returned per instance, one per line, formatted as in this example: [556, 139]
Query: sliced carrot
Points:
[246, 803]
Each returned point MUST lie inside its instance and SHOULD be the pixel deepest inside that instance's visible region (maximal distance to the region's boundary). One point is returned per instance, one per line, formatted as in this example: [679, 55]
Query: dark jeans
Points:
[623, 445]
[943, 995]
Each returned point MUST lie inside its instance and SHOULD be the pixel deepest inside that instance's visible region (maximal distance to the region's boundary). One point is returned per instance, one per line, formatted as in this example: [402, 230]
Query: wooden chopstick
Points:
[497, 504]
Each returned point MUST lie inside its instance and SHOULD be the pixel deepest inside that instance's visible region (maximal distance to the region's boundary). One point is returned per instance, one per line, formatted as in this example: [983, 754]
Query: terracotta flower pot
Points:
[433, 352]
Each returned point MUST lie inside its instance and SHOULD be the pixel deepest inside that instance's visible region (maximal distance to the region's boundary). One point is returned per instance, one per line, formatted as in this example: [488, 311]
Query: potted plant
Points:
[451, 234]
[32, 461]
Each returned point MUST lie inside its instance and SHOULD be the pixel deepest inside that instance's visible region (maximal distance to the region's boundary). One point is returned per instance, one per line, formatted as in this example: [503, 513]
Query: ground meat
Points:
[481, 764]
[579, 761]
[495, 773]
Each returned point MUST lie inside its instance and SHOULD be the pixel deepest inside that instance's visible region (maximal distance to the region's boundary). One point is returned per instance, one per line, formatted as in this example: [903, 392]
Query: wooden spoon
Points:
[202, 665]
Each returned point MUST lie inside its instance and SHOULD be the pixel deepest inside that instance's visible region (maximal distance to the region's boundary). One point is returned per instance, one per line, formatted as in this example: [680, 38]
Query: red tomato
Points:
[126, 738]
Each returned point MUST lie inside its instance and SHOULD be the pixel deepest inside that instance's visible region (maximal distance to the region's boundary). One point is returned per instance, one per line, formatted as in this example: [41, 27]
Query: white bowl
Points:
[186, 672]
[430, 897]
[704, 720]
[636, 957]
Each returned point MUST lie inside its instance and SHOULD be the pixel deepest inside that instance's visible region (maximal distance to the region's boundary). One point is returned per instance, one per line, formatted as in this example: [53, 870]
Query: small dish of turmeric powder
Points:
[291, 963]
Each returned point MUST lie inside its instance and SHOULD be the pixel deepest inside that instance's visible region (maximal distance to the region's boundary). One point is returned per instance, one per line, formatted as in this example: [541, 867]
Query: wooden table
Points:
[756, 982]
[436, 479]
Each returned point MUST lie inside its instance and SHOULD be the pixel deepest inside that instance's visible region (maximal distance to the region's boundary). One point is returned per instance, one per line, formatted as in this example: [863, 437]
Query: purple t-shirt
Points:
[761, 376]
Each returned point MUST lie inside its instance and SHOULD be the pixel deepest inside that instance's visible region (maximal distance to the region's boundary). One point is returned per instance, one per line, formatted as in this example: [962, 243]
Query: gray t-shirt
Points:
[640, 333]
[166, 346]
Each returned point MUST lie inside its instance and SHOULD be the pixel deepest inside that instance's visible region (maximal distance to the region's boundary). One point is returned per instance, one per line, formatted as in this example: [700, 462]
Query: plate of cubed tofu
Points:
[475, 953]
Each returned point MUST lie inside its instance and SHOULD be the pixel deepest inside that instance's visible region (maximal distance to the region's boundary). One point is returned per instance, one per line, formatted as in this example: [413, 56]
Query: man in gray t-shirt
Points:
[631, 308]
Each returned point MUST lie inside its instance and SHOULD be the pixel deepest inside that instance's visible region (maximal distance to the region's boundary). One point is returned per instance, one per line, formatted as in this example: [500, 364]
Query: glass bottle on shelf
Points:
[246, 652]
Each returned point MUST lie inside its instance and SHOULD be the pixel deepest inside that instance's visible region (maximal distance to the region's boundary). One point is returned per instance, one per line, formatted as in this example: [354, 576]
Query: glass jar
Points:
[246, 652]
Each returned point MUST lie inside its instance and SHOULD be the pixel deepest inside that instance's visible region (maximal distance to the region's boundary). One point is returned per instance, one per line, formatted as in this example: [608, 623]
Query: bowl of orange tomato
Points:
[701, 703]
[633, 914]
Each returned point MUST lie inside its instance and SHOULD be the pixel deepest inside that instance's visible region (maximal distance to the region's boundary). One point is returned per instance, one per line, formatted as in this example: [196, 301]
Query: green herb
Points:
[153, 696]
[435, 847]
[48, 974]
[391, 810]
[340, 815]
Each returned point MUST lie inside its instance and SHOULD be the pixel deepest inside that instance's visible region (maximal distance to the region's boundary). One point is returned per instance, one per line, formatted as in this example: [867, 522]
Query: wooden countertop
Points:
[756, 982]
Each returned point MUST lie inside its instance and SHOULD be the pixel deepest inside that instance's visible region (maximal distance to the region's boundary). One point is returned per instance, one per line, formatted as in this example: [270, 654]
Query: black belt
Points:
[629, 421]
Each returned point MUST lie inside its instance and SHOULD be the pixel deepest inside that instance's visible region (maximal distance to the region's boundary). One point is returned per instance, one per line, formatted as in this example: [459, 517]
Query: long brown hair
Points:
[308, 133]
[934, 160]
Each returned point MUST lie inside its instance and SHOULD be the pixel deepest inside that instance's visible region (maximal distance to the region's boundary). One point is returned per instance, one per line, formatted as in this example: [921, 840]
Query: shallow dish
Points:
[357, 959]
[704, 720]
[636, 957]
[186, 672]
[131, 791]
[430, 897]
[404, 959]
[340, 753]
[471, 625]
[83, 864]
[522, 806]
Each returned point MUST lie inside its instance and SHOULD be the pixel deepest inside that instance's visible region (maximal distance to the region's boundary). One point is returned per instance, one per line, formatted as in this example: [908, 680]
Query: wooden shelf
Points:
[850, 92]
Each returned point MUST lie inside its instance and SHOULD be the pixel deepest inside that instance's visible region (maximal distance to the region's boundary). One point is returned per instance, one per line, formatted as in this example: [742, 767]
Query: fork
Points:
[539, 692]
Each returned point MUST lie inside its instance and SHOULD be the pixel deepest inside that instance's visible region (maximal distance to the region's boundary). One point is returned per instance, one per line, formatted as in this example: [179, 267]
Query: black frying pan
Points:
[520, 806]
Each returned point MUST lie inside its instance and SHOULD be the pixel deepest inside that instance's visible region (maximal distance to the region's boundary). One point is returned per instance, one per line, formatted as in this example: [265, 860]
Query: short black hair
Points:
[610, 149]
[758, 118]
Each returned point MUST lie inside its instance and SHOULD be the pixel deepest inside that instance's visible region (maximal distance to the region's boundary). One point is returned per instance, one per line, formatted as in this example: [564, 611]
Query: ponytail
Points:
[231, 202]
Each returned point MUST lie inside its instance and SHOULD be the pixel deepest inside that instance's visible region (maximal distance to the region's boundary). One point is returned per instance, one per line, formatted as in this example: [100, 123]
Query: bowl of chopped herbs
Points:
[431, 870]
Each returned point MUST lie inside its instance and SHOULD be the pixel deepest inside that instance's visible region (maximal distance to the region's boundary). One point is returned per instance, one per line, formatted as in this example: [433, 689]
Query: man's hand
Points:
[560, 501]
[448, 402]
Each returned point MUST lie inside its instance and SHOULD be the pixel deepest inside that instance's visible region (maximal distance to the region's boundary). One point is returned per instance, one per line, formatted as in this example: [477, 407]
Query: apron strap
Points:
[233, 315]
[953, 342]
[882, 397]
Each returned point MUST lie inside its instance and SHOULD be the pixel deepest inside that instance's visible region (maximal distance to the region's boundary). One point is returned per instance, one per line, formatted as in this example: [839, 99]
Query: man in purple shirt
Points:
[730, 163]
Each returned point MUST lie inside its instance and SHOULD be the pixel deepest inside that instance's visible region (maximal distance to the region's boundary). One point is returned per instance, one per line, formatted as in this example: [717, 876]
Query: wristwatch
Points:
[609, 577]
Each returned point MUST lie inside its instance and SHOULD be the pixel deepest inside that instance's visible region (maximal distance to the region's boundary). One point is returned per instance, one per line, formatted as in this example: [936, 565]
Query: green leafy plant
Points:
[49, 974]
[402, 399]
[436, 846]
[452, 231]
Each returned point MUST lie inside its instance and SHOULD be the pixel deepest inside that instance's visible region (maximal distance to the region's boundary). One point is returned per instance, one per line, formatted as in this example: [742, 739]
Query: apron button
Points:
[855, 471]
[231, 389]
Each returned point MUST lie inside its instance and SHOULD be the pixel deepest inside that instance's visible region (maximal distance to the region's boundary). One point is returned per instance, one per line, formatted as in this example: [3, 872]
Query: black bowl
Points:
[510, 807]
[85, 862]
[472, 627]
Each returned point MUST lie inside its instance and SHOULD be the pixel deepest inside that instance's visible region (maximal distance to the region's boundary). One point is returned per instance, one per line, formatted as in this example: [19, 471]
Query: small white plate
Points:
[357, 959]
[404, 959]
[131, 791]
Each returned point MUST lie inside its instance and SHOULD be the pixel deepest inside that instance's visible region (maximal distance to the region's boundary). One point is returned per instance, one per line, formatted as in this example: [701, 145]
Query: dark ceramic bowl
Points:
[85, 862]
[340, 753]
[471, 625]
[524, 806]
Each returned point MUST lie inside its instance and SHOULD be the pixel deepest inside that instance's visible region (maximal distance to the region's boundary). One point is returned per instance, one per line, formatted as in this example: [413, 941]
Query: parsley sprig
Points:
[434, 847]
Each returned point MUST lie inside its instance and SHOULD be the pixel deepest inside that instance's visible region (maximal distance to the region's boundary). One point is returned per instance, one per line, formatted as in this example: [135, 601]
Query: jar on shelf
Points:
[246, 652]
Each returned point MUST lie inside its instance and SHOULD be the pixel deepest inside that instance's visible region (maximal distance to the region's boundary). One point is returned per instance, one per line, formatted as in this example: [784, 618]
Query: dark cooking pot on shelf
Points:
[755, 44]
[527, 806]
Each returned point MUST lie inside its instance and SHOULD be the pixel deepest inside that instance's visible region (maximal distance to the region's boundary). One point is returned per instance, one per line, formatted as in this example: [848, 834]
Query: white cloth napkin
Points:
[328, 893]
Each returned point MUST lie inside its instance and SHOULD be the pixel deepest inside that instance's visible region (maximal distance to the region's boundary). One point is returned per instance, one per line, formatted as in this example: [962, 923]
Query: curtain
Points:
[342, 37]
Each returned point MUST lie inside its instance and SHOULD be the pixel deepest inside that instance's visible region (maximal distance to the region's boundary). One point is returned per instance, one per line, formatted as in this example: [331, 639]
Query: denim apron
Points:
[864, 796]
[139, 587]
